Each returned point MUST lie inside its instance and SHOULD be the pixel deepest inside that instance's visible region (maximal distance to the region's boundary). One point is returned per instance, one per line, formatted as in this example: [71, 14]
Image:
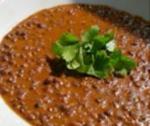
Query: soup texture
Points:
[37, 86]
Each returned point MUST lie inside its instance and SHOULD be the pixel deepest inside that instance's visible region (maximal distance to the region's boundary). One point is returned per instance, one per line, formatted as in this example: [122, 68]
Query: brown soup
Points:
[36, 86]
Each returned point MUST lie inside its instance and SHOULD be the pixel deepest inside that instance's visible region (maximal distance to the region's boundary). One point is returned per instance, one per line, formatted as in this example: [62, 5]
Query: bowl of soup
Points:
[38, 90]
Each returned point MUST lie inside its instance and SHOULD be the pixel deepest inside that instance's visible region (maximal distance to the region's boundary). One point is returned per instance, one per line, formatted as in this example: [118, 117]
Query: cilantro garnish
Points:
[94, 54]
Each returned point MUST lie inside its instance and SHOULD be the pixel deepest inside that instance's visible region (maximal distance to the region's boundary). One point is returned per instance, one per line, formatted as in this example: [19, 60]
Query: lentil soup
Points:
[38, 88]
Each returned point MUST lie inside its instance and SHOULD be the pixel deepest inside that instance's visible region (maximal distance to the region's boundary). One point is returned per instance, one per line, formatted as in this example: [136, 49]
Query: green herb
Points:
[94, 54]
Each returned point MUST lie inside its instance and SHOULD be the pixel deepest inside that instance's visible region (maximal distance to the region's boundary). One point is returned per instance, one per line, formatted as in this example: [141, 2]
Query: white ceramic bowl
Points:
[13, 11]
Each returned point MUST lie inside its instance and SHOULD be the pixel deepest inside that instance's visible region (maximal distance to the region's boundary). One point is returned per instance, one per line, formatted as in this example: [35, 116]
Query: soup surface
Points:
[43, 92]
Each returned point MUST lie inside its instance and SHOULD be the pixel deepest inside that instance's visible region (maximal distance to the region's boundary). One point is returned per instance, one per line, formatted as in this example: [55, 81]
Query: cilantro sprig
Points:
[94, 54]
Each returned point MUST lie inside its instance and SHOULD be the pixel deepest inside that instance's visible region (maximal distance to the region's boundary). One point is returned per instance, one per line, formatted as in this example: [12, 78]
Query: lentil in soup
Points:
[38, 88]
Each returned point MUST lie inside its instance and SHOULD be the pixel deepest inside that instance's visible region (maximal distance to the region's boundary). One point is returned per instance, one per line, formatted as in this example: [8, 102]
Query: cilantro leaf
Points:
[95, 54]
[69, 52]
[90, 34]
[127, 63]
[122, 72]
[110, 46]
[73, 65]
[102, 63]
[68, 39]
